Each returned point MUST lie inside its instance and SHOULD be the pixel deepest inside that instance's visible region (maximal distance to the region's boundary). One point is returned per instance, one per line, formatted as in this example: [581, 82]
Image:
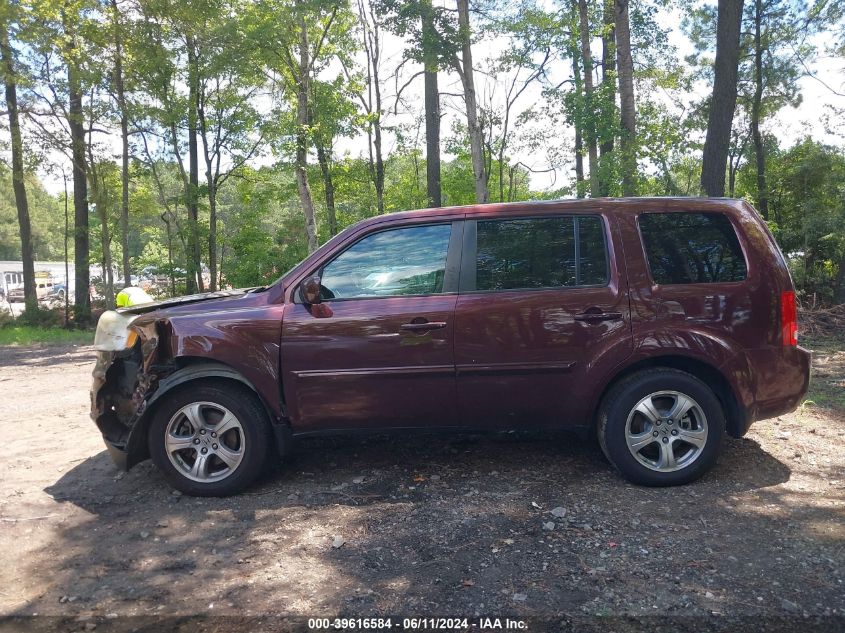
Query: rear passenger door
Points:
[543, 304]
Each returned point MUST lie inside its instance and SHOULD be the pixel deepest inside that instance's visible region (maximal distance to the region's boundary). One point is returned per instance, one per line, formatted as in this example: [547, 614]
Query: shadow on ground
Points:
[46, 355]
[436, 526]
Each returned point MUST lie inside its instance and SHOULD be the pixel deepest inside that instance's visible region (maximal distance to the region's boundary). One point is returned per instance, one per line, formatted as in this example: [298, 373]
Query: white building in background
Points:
[11, 274]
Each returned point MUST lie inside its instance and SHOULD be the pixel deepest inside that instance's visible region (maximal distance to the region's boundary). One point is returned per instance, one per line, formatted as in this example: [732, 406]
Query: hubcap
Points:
[666, 431]
[205, 441]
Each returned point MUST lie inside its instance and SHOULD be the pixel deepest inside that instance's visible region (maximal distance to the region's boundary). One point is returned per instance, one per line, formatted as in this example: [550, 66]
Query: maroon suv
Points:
[660, 324]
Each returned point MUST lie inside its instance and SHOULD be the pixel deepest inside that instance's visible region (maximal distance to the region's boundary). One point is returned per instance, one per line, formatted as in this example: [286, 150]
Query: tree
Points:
[122, 108]
[625, 65]
[589, 129]
[433, 41]
[229, 125]
[775, 45]
[723, 99]
[294, 52]
[372, 102]
[432, 104]
[18, 182]
[76, 123]
[476, 133]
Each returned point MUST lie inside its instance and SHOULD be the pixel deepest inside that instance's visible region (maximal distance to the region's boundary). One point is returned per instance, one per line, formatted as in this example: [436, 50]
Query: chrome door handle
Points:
[595, 317]
[423, 327]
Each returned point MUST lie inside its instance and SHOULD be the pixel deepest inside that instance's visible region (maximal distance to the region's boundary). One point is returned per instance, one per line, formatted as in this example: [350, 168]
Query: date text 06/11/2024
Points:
[418, 624]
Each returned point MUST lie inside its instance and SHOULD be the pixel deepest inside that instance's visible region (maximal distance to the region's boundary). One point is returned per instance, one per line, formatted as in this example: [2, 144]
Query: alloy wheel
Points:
[205, 441]
[666, 431]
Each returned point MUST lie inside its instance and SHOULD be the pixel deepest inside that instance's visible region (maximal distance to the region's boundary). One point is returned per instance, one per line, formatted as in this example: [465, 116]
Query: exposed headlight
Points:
[113, 333]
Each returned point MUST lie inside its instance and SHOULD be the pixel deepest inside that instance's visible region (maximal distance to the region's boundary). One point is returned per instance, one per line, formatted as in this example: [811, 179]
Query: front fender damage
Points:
[124, 383]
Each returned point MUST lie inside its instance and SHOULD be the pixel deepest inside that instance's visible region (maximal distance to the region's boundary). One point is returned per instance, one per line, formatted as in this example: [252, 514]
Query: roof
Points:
[635, 205]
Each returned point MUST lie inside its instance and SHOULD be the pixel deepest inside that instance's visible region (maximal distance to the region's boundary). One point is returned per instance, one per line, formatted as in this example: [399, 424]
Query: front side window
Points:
[407, 261]
[540, 253]
[692, 248]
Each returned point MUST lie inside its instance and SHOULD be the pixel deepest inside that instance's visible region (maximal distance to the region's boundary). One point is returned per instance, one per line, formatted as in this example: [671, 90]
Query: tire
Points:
[226, 421]
[674, 441]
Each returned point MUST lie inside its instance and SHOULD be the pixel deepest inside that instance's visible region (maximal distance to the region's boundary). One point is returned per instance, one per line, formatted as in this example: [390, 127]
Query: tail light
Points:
[789, 318]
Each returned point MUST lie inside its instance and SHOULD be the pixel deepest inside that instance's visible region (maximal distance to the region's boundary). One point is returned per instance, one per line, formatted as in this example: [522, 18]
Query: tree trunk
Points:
[211, 184]
[212, 232]
[18, 182]
[839, 288]
[82, 301]
[723, 101]
[371, 40]
[476, 133]
[432, 110]
[102, 212]
[589, 114]
[756, 136]
[328, 185]
[67, 263]
[625, 64]
[578, 121]
[302, 137]
[379, 179]
[608, 92]
[193, 280]
[124, 138]
[169, 252]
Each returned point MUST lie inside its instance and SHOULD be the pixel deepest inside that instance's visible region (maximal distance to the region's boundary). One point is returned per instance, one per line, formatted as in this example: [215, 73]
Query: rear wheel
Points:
[661, 427]
[210, 438]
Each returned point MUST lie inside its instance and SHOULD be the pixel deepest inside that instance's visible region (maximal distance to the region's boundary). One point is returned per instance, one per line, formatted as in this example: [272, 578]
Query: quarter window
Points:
[407, 261]
[692, 248]
[540, 253]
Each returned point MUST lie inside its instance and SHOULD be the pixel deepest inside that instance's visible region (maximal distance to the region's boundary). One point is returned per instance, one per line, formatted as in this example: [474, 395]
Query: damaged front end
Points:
[130, 362]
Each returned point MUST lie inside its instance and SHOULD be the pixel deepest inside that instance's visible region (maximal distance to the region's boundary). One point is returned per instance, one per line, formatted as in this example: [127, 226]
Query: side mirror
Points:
[310, 290]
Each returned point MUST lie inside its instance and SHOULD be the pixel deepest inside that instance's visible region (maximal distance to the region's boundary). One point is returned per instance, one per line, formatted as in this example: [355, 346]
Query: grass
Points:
[31, 335]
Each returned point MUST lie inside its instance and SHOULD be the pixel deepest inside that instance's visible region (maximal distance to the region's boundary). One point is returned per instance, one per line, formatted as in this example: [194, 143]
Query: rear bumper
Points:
[783, 378]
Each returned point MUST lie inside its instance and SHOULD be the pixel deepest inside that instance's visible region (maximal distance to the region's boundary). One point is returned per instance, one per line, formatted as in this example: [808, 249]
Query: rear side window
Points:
[692, 248]
[540, 253]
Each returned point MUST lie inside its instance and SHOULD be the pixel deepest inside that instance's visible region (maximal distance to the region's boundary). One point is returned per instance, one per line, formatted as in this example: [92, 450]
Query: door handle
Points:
[596, 316]
[425, 326]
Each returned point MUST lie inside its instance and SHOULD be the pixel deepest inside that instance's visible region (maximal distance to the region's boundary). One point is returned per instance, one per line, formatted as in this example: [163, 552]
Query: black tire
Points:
[620, 402]
[254, 426]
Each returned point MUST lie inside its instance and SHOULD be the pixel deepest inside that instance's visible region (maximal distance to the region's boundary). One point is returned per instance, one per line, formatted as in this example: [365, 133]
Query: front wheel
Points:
[210, 438]
[661, 427]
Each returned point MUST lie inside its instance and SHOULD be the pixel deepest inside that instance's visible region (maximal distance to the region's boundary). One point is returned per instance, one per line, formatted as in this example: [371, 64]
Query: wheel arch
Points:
[735, 415]
[190, 369]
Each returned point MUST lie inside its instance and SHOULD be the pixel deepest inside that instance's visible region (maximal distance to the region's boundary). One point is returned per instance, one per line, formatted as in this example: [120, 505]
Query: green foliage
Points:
[807, 183]
[245, 60]
[46, 215]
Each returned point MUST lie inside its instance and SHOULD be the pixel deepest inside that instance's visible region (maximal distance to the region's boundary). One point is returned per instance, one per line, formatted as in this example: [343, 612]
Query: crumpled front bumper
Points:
[123, 382]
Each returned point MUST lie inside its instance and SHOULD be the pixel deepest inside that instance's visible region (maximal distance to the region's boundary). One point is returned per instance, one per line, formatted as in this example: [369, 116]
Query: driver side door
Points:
[377, 351]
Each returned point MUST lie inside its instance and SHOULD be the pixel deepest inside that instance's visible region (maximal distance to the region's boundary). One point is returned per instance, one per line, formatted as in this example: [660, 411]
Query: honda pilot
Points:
[660, 325]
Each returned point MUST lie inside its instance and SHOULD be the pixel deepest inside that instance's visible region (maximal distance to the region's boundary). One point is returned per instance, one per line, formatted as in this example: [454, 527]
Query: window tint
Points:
[540, 253]
[592, 269]
[689, 248]
[409, 261]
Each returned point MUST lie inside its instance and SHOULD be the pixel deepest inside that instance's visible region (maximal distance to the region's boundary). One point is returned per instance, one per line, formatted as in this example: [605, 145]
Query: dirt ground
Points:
[418, 526]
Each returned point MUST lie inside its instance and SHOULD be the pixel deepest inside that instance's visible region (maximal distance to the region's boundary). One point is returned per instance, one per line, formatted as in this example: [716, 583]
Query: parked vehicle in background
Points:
[43, 289]
[658, 324]
[56, 296]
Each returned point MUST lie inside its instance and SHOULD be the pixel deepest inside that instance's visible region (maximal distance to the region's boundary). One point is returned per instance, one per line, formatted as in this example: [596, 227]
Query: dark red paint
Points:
[513, 359]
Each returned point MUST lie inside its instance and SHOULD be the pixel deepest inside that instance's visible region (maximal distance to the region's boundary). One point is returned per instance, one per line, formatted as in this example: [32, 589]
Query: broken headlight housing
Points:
[114, 332]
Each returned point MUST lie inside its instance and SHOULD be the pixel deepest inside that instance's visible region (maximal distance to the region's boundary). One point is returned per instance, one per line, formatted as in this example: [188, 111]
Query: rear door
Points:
[543, 307]
[378, 351]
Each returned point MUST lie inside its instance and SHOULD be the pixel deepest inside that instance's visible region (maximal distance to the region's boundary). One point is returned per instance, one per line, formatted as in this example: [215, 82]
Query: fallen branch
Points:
[11, 520]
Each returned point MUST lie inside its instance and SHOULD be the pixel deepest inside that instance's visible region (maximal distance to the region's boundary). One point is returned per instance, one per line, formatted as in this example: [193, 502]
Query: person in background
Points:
[133, 295]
